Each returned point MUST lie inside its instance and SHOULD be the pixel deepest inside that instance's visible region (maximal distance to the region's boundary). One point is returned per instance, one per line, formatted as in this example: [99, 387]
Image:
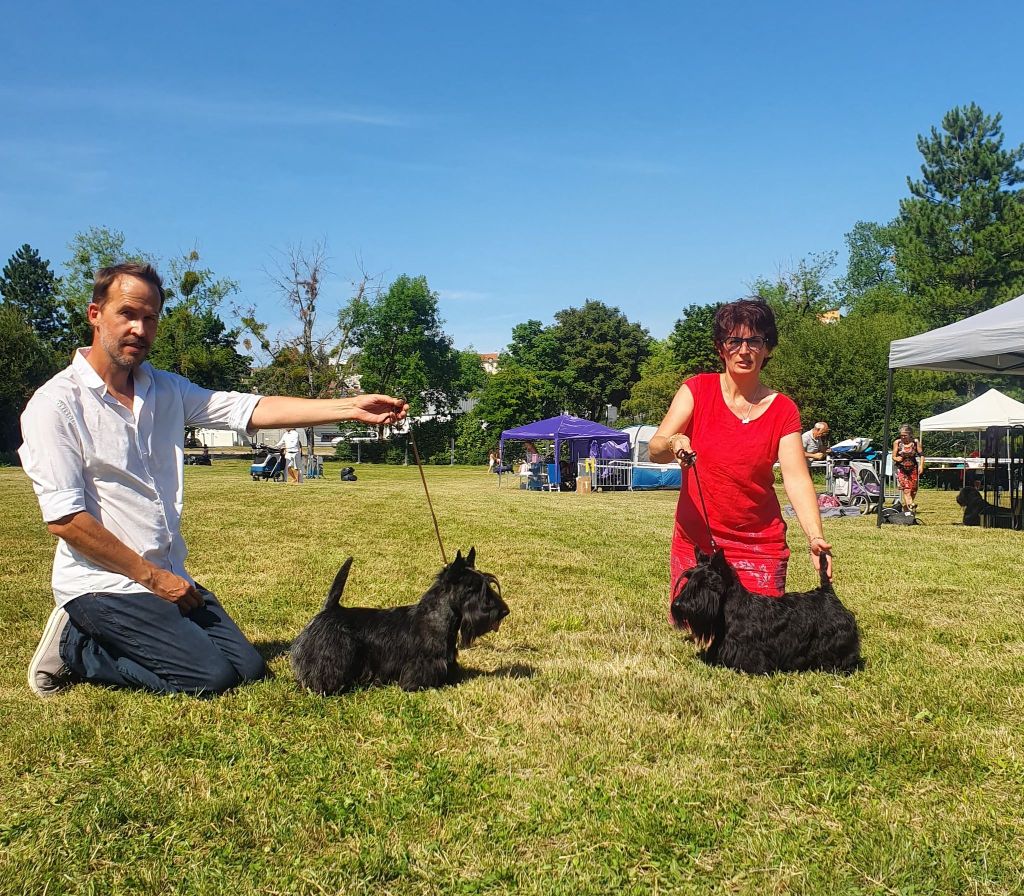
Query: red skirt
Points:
[758, 573]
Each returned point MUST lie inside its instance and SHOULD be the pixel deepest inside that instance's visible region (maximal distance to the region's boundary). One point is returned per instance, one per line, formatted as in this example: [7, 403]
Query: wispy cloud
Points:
[223, 109]
[464, 295]
[74, 166]
[627, 162]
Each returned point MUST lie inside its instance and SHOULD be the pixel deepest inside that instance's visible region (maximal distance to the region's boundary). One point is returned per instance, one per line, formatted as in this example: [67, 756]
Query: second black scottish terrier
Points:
[797, 632]
[414, 646]
[975, 506]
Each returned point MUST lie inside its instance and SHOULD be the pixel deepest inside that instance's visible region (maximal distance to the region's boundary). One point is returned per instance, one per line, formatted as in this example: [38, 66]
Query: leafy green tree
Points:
[536, 348]
[805, 291]
[871, 284]
[403, 349]
[650, 397]
[600, 351]
[26, 362]
[871, 257]
[511, 397]
[29, 285]
[192, 339]
[692, 340]
[533, 346]
[472, 376]
[959, 237]
[836, 372]
[660, 376]
[197, 344]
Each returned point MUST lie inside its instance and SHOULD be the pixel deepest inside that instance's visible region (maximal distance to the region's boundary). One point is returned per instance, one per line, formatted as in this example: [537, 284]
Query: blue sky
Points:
[524, 157]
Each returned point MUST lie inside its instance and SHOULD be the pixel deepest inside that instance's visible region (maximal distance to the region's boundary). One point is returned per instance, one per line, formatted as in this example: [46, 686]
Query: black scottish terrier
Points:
[975, 506]
[797, 632]
[415, 646]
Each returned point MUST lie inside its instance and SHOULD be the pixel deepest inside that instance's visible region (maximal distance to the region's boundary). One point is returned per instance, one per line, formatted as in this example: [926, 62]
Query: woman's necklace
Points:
[750, 406]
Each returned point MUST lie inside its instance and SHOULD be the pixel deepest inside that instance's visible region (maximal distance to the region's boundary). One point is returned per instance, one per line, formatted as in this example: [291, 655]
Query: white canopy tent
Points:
[990, 342]
[991, 409]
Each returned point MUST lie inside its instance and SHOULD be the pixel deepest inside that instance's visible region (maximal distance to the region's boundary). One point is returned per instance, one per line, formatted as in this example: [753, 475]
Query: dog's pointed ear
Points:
[471, 557]
[718, 560]
[699, 555]
[458, 563]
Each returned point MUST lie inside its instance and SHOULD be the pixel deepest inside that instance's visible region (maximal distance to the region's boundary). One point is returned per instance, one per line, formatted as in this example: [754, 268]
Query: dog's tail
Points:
[826, 582]
[334, 595]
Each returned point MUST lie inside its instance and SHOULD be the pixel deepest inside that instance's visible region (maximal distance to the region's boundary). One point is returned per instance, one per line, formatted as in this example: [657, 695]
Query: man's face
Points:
[820, 431]
[125, 325]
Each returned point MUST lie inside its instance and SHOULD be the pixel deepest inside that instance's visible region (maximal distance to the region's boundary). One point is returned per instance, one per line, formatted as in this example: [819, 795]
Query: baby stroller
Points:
[271, 467]
[855, 483]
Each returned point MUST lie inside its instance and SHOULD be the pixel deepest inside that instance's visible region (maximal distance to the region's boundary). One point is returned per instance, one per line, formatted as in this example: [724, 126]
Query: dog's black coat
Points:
[974, 505]
[797, 632]
[415, 646]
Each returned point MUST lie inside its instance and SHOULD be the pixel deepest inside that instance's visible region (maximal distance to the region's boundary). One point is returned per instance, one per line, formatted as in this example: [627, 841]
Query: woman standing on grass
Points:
[909, 460]
[736, 428]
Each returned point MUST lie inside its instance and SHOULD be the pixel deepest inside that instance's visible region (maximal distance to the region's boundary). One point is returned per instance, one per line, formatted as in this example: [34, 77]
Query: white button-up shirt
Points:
[84, 450]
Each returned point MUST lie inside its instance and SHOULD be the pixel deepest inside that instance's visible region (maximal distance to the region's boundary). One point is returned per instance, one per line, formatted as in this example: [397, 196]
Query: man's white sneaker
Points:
[48, 674]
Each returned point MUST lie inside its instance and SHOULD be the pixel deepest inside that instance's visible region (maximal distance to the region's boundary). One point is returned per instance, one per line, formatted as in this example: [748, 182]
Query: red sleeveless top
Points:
[734, 463]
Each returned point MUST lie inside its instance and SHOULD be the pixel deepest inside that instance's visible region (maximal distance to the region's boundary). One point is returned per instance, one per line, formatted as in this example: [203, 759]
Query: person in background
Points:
[104, 449]
[908, 459]
[734, 428]
[814, 443]
[292, 452]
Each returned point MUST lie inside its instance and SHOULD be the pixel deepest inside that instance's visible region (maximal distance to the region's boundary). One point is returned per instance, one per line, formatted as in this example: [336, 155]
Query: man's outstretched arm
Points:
[275, 411]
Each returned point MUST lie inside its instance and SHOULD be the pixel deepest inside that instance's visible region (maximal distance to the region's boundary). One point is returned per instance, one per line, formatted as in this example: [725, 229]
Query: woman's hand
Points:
[821, 549]
[682, 449]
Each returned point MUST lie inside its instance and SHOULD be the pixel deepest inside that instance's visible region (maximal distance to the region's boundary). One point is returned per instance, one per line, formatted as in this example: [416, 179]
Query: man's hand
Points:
[177, 590]
[378, 409]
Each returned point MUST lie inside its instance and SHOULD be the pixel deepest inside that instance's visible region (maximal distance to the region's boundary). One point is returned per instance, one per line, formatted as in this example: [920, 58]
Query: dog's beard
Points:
[483, 613]
[698, 605]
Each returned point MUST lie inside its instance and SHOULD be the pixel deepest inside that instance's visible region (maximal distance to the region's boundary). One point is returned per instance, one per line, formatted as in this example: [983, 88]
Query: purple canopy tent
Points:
[585, 438]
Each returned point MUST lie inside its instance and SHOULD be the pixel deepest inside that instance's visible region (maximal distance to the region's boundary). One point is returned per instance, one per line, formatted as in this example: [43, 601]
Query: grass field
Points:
[587, 752]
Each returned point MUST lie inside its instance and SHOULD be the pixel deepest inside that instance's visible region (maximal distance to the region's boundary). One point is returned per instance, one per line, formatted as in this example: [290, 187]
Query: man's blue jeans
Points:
[143, 641]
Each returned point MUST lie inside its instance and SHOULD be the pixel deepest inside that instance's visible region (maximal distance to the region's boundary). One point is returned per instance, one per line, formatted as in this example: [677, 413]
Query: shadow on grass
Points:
[514, 670]
[271, 650]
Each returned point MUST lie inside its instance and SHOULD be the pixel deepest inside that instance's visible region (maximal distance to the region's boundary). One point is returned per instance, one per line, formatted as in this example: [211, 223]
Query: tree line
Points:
[954, 247]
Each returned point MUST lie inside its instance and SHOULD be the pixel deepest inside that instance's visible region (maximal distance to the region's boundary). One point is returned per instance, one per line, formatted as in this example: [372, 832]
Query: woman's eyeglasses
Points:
[735, 343]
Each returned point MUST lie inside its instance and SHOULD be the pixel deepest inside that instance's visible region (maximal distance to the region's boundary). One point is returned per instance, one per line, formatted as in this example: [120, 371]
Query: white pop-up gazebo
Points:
[990, 342]
[991, 409]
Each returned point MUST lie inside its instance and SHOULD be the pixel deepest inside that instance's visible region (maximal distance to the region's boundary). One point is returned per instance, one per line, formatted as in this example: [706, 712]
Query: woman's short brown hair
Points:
[105, 277]
[754, 313]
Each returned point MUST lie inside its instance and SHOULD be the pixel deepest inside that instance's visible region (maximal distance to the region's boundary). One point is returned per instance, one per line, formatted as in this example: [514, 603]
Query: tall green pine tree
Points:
[29, 286]
[959, 237]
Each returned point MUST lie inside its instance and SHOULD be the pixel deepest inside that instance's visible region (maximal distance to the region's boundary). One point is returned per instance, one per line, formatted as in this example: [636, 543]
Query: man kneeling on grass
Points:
[104, 447]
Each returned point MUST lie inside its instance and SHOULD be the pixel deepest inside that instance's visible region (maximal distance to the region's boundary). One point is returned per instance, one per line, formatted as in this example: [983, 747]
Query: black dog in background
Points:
[797, 632]
[415, 646]
[974, 505]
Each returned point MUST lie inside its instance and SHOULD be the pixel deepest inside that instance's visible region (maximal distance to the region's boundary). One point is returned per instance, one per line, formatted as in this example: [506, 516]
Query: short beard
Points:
[114, 350]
